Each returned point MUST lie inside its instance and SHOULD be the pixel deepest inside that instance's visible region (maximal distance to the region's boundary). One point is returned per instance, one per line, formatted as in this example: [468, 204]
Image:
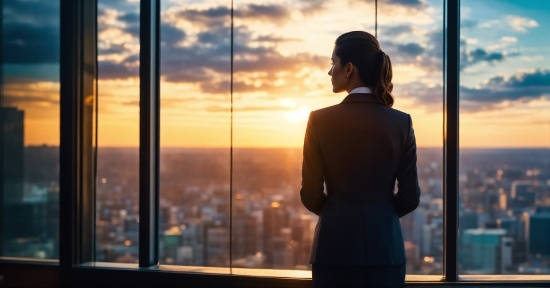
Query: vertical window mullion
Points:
[1, 125]
[78, 66]
[452, 54]
[149, 132]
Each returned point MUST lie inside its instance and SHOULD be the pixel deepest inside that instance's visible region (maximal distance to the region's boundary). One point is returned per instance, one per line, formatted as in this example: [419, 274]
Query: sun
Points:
[298, 114]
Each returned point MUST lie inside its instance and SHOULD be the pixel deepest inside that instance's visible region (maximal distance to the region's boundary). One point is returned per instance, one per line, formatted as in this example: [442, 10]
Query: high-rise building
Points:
[514, 227]
[522, 195]
[12, 170]
[216, 245]
[245, 228]
[275, 219]
[539, 234]
[481, 251]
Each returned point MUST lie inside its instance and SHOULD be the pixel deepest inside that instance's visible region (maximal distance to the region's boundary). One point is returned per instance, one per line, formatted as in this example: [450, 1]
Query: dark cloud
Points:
[130, 18]
[525, 86]
[431, 51]
[113, 70]
[220, 16]
[118, 5]
[16, 100]
[31, 32]
[395, 31]
[480, 55]
[522, 86]
[113, 49]
[412, 49]
[409, 3]
[170, 34]
[207, 61]
[270, 12]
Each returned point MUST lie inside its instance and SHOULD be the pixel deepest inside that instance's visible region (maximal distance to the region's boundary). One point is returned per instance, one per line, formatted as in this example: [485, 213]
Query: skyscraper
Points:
[539, 234]
[12, 169]
[275, 219]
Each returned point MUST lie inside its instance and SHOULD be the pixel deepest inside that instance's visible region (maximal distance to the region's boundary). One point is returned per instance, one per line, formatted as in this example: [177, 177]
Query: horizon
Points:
[295, 147]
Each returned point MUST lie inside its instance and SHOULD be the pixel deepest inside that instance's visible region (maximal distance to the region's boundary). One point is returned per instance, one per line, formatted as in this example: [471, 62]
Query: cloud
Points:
[516, 23]
[113, 70]
[521, 86]
[409, 3]
[310, 7]
[31, 32]
[489, 55]
[495, 93]
[17, 100]
[269, 12]
[395, 31]
[426, 52]
[206, 61]
[220, 15]
[412, 49]
[27, 93]
[521, 24]
[480, 55]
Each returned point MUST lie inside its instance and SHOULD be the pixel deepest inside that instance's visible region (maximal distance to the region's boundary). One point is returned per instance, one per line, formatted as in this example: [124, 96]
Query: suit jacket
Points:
[358, 149]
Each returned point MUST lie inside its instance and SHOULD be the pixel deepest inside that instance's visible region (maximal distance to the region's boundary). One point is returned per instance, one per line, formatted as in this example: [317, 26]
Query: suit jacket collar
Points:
[361, 98]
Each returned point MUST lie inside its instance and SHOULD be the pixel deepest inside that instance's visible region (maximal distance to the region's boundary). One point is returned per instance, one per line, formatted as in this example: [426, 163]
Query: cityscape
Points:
[504, 218]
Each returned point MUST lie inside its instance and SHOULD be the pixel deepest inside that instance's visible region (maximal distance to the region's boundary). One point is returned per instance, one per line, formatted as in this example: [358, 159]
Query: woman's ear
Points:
[349, 69]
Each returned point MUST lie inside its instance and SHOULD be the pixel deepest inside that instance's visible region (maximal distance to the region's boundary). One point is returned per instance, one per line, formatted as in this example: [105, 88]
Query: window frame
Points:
[78, 79]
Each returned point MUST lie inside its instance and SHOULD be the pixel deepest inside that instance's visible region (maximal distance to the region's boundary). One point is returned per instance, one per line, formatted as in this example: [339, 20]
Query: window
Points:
[117, 179]
[194, 215]
[238, 79]
[29, 135]
[412, 34]
[505, 138]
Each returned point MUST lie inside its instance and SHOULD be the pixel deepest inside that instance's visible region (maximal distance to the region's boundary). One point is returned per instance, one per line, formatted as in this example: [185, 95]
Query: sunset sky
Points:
[281, 59]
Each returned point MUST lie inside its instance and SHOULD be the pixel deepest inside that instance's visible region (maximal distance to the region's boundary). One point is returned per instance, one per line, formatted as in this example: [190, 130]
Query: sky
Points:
[281, 58]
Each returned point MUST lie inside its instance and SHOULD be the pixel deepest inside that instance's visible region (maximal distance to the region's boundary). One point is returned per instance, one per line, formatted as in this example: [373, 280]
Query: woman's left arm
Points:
[407, 197]
[313, 175]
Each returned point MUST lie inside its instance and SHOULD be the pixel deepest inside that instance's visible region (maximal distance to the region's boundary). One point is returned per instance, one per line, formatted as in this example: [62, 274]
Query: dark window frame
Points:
[78, 77]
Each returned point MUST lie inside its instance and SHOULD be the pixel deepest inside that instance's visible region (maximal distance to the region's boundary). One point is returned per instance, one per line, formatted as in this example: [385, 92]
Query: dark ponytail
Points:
[374, 66]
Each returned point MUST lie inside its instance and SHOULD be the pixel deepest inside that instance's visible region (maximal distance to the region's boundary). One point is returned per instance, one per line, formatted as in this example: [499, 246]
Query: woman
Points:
[358, 149]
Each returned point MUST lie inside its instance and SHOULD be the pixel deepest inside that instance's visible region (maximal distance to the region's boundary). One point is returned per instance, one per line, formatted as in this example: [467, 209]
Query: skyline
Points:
[505, 76]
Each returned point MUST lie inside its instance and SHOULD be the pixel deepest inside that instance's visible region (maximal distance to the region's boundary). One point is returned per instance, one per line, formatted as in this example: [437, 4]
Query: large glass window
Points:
[504, 179]
[282, 56]
[195, 133]
[411, 33]
[117, 182]
[29, 129]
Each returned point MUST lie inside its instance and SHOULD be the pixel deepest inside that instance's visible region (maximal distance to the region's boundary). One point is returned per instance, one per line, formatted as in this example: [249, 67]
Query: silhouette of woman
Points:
[357, 150]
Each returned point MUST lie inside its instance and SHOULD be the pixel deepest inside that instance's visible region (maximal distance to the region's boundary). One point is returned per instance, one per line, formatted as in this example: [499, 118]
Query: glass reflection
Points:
[505, 140]
[195, 133]
[117, 182]
[29, 129]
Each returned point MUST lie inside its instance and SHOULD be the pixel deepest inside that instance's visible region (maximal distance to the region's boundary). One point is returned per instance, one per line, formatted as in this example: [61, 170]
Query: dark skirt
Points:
[358, 275]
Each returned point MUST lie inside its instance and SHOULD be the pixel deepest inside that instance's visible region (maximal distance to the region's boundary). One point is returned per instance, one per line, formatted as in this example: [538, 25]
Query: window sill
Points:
[306, 274]
[30, 261]
[506, 278]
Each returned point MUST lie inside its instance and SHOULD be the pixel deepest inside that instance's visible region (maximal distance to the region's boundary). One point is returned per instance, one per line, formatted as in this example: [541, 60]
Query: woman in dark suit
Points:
[358, 149]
